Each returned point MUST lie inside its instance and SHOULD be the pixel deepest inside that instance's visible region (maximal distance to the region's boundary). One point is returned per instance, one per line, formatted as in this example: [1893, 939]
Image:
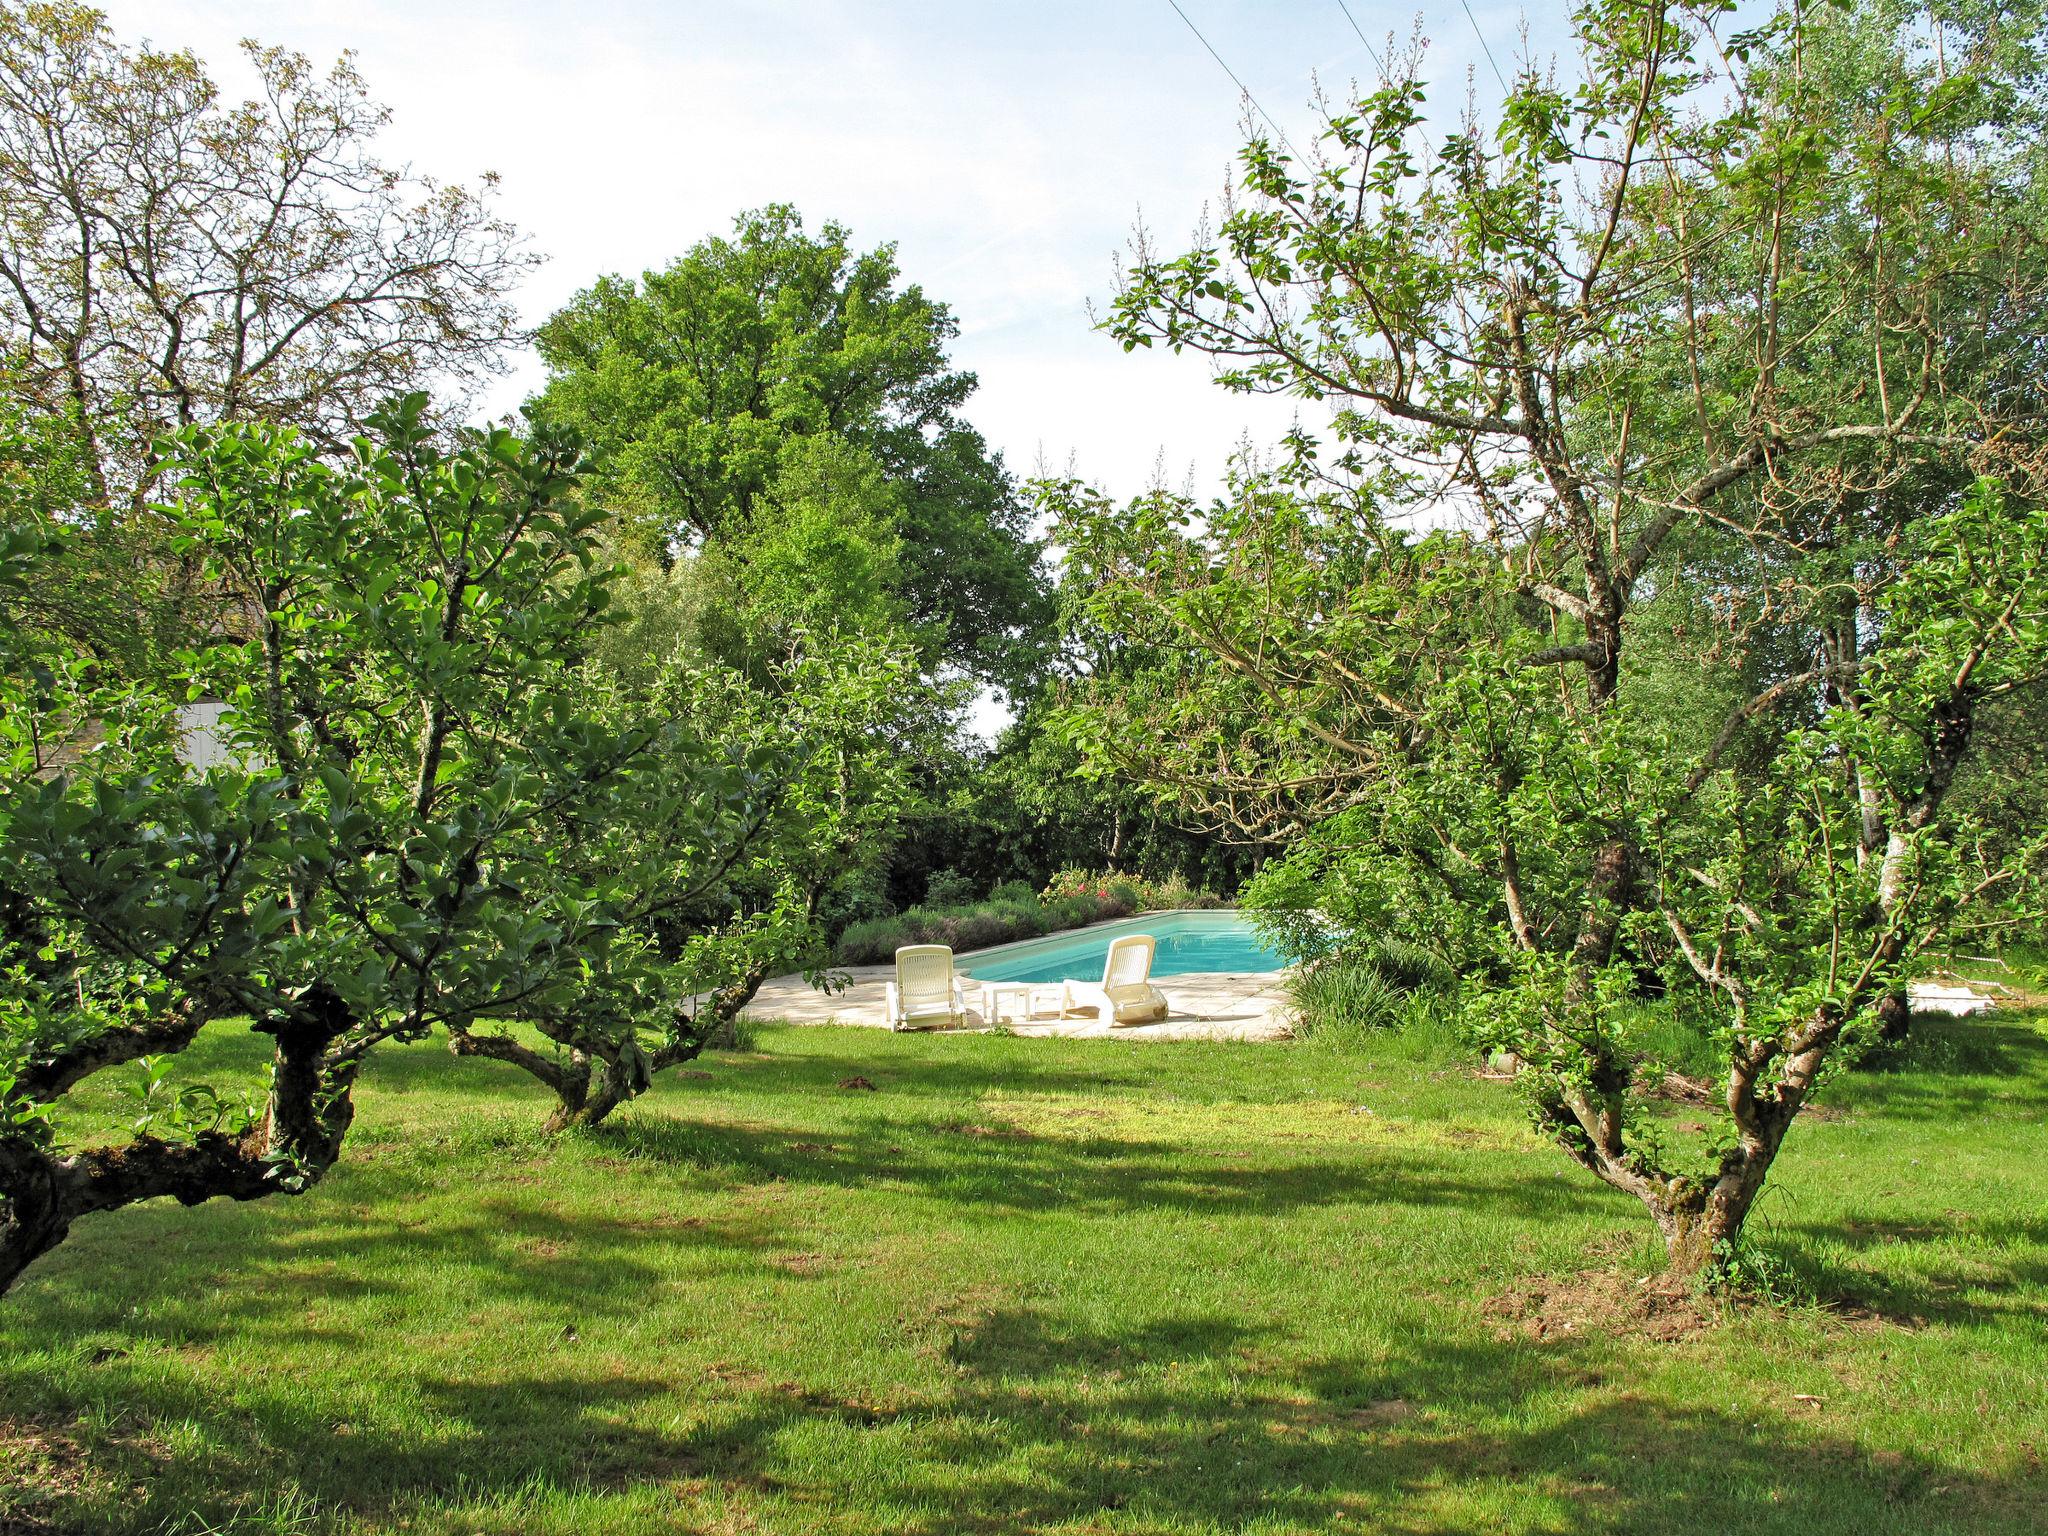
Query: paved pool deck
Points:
[1207, 1005]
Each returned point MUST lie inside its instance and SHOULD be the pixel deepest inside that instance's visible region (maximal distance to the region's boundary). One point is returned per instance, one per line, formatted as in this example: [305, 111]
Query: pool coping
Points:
[1201, 1005]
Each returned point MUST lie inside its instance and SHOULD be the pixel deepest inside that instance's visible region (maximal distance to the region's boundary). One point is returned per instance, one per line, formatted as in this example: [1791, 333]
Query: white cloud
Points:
[1005, 147]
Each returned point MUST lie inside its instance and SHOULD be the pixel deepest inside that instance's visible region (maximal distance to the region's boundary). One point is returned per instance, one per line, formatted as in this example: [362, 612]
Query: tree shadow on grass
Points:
[1180, 1423]
[348, 1237]
[918, 1067]
[1184, 1425]
[1990, 1272]
[1956, 1069]
[1006, 1169]
[301, 1270]
[1389, 1442]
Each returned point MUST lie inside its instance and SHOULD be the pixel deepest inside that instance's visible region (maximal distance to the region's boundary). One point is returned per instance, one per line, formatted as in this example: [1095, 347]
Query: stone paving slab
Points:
[1206, 1005]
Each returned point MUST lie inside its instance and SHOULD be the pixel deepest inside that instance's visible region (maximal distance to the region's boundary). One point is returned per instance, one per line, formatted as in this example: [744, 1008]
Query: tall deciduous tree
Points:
[170, 258]
[706, 390]
[1728, 423]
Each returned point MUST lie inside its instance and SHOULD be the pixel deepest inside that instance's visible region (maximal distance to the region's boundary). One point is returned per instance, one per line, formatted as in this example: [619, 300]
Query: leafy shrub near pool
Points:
[1073, 899]
[1371, 987]
[1391, 985]
[1140, 894]
[976, 925]
[1345, 995]
[948, 888]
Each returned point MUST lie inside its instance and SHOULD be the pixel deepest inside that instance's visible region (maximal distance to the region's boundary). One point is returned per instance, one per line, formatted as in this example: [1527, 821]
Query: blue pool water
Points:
[1188, 941]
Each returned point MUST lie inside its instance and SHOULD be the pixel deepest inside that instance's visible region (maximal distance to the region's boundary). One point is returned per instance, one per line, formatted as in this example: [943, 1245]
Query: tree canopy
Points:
[431, 815]
[776, 386]
[369, 861]
[170, 258]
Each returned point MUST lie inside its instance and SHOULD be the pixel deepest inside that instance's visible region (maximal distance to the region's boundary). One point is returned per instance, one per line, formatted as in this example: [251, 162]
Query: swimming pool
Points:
[1188, 942]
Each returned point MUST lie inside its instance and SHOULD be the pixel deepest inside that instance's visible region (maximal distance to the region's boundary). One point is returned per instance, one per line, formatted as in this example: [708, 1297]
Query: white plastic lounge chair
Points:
[925, 994]
[1126, 994]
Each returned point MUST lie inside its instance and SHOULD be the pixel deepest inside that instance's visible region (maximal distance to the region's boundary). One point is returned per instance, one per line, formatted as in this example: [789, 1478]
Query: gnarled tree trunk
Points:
[594, 1074]
[296, 1140]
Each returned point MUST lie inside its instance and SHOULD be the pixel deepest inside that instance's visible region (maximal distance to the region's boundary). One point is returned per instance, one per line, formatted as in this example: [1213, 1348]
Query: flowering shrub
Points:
[1139, 894]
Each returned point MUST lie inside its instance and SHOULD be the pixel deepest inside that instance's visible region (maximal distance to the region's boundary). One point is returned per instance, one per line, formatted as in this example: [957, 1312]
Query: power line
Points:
[1488, 47]
[1373, 52]
[1246, 90]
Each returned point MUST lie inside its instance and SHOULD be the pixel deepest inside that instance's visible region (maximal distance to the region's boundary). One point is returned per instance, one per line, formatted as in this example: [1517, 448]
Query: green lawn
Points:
[1046, 1285]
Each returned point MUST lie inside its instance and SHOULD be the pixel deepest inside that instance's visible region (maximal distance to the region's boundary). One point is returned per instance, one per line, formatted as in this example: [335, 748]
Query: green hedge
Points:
[976, 925]
[1073, 899]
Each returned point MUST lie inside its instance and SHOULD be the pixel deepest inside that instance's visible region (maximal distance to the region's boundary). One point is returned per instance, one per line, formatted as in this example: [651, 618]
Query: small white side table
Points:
[993, 995]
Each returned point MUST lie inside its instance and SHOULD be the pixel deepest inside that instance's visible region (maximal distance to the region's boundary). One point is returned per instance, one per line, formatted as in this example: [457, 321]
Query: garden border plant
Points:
[1073, 898]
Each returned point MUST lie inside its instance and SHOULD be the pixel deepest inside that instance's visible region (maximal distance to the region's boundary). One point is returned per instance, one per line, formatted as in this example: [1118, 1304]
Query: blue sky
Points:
[1006, 147]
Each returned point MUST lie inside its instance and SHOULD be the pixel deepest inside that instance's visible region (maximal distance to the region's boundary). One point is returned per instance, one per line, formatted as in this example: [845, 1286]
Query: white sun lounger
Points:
[925, 994]
[1125, 994]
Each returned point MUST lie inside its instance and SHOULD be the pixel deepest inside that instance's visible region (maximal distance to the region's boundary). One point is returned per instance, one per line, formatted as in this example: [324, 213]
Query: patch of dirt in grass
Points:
[1380, 1415]
[1610, 1302]
[1850, 1313]
[771, 1190]
[862, 1413]
[1471, 1136]
[944, 1329]
[44, 1472]
[1676, 1087]
[1197, 1125]
[742, 1378]
[1304, 1416]
[971, 1307]
[1005, 1132]
[655, 1223]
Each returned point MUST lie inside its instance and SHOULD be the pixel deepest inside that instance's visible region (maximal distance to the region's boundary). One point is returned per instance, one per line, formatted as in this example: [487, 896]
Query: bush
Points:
[1026, 919]
[1068, 911]
[1012, 913]
[1174, 891]
[1068, 883]
[1344, 997]
[1014, 890]
[1132, 892]
[1366, 989]
[949, 888]
[873, 940]
[1413, 967]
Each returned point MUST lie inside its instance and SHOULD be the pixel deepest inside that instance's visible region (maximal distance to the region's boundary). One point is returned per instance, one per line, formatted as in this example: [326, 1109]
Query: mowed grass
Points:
[1043, 1285]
